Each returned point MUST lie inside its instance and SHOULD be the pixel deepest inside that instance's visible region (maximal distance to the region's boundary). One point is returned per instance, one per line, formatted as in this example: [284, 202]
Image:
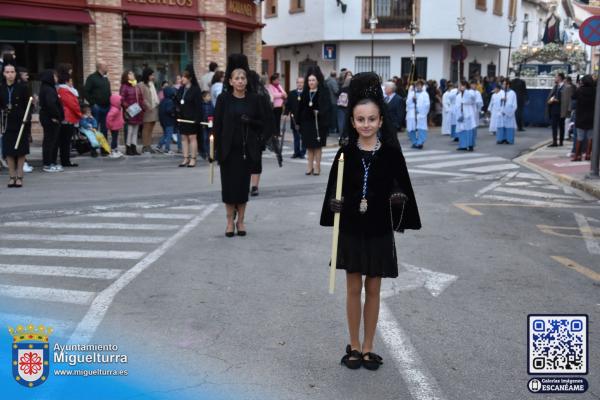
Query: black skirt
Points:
[372, 256]
[9, 139]
[235, 177]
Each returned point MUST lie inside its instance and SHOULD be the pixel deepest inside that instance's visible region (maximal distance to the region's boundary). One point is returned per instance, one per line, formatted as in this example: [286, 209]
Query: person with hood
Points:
[69, 98]
[314, 118]
[51, 115]
[132, 103]
[150, 106]
[585, 97]
[377, 200]
[189, 108]
[167, 119]
[114, 123]
[14, 97]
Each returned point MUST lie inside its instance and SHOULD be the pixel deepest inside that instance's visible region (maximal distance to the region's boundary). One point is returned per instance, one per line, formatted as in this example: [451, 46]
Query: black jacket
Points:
[520, 88]
[395, 112]
[586, 101]
[97, 90]
[292, 103]
[20, 98]
[226, 126]
[190, 110]
[50, 105]
[387, 174]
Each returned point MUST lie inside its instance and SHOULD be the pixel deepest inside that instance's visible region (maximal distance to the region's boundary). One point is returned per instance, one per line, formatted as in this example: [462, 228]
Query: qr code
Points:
[557, 344]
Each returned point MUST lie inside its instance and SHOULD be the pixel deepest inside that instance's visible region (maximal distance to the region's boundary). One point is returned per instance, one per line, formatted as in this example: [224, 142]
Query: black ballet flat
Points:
[462, 149]
[230, 234]
[373, 362]
[352, 364]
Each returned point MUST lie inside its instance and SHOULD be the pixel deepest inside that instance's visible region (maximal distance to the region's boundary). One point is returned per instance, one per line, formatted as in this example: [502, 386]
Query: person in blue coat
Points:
[167, 118]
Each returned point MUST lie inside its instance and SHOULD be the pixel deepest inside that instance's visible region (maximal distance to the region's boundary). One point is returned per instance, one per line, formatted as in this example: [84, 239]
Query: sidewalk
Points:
[554, 161]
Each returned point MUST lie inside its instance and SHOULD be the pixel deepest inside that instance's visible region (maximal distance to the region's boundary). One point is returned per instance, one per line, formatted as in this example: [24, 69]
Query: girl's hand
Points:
[398, 198]
[336, 205]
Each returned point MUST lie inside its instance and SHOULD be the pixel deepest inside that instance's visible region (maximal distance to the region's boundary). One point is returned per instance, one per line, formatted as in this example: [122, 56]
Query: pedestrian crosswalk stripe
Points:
[462, 162]
[72, 253]
[445, 157]
[142, 215]
[47, 294]
[86, 225]
[533, 193]
[190, 207]
[531, 202]
[529, 175]
[60, 327]
[82, 238]
[442, 173]
[51, 270]
[491, 168]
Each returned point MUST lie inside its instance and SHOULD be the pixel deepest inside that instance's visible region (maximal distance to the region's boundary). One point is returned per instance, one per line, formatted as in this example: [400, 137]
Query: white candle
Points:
[461, 8]
[212, 157]
[336, 225]
[23, 123]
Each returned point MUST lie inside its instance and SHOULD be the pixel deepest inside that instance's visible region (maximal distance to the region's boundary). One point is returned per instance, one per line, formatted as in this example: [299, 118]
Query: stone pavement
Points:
[555, 162]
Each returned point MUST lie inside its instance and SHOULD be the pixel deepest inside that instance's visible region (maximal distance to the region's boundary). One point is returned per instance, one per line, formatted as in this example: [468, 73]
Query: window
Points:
[512, 10]
[498, 7]
[381, 66]
[305, 65]
[395, 15]
[481, 5]
[491, 70]
[420, 67]
[270, 8]
[296, 6]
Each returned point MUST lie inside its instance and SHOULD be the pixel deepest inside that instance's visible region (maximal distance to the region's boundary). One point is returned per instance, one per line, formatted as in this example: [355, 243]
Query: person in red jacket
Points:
[69, 98]
[114, 123]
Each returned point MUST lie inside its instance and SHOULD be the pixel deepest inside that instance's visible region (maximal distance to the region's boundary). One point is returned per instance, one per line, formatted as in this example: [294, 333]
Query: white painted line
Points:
[529, 175]
[571, 164]
[74, 253]
[142, 215]
[81, 238]
[588, 235]
[441, 173]
[47, 294]
[537, 203]
[445, 157]
[423, 153]
[533, 193]
[71, 272]
[463, 162]
[519, 183]
[191, 207]
[421, 384]
[88, 325]
[491, 168]
[60, 327]
[494, 185]
[91, 225]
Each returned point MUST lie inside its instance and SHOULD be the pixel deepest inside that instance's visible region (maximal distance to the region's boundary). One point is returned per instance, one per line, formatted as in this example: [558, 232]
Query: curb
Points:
[564, 179]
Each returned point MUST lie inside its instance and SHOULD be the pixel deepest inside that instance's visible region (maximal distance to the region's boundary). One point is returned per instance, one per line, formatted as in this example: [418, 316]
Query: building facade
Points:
[335, 35]
[164, 35]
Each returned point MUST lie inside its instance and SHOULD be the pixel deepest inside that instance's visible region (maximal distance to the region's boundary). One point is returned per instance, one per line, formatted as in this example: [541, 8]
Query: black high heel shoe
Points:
[357, 358]
[12, 182]
[240, 233]
[308, 173]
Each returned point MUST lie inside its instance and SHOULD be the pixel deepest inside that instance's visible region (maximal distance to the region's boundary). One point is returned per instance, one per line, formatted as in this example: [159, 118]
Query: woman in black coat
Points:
[314, 116]
[189, 108]
[238, 123]
[14, 97]
[377, 199]
[51, 114]
[585, 98]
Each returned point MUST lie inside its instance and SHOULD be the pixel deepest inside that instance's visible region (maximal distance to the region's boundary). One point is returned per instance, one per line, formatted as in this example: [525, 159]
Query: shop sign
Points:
[160, 6]
[241, 7]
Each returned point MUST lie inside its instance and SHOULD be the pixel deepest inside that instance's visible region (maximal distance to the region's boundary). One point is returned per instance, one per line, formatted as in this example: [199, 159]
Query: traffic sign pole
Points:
[589, 32]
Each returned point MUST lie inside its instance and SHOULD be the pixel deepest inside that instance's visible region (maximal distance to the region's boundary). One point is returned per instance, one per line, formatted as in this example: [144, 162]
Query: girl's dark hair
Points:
[365, 88]
[587, 80]
[189, 73]
[125, 77]
[146, 75]
[62, 72]
[217, 77]
[274, 77]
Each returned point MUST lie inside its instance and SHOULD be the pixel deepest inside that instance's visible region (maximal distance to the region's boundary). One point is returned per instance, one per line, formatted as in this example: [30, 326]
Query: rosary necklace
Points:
[366, 166]
[311, 95]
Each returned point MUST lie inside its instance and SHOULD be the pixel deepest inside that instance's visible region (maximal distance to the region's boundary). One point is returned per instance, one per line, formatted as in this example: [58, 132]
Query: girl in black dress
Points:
[377, 199]
[189, 108]
[313, 117]
[14, 97]
[238, 122]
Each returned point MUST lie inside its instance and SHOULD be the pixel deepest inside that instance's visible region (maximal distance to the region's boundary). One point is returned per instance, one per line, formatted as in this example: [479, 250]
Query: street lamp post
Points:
[373, 24]
[461, 22]
[511, 28]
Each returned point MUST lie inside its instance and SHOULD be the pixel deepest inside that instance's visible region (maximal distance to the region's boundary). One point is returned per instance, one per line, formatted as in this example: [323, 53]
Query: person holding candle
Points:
[377, 199]
[14, 97]
[238, 123]
[314, 118]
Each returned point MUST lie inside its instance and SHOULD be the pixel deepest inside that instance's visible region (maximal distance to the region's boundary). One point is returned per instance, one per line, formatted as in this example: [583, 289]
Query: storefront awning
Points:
[46, 14]
[172, 24]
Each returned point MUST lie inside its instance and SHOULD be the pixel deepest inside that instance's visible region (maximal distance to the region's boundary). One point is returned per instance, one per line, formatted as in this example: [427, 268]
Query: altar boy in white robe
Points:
[417, 108]
[507, 122]
[465, 119]
[449, 119]
[494, 109]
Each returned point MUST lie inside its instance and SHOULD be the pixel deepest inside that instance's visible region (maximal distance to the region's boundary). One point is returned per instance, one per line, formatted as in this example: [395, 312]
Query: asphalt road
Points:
[133, 253]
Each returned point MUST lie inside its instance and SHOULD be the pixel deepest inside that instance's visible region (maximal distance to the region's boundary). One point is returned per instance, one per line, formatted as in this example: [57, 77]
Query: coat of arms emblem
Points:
[30, 354]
